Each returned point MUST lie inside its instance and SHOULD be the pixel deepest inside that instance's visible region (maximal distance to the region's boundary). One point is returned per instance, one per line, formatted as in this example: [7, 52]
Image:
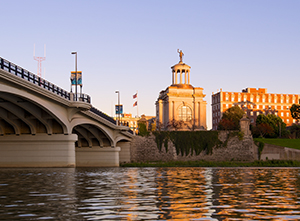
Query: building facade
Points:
[128, 120]
[254, 102]
[181, 106]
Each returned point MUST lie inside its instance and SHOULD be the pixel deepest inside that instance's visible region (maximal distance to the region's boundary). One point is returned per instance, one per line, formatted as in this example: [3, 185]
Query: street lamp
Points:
[118, 92]
[74, 52]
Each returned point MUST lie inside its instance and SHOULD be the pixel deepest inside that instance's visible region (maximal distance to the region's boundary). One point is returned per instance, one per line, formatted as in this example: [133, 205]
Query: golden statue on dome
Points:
[180, 54]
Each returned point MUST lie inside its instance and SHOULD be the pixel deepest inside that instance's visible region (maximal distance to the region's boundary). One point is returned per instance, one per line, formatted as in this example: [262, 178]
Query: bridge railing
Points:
[103, 115]
[26, 75]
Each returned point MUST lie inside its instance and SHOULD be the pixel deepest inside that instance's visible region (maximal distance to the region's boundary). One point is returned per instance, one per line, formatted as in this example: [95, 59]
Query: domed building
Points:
[181, 106]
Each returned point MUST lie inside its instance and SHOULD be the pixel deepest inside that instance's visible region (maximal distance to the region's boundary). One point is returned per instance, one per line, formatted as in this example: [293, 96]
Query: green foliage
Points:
[260, 146]
[295, 131]
[240, 135]
[188, 142]
[295, 111]
[231, 119]
[143, 130]
[264, 123]
[160, 137]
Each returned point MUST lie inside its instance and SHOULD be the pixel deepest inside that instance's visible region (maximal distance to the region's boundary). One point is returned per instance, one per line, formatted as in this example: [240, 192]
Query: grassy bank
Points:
[268, 163]
[291, 143]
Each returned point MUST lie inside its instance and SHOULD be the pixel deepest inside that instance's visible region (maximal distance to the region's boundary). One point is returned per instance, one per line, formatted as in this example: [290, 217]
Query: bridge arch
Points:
[28, 116]
[93, 133]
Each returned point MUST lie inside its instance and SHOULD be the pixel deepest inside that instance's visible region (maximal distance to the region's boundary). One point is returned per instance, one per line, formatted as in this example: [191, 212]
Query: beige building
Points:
[254, 102]
[133, 122]
[181, 106]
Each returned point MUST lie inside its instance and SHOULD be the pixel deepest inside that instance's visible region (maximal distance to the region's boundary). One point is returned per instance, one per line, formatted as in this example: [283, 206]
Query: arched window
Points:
[185, 113]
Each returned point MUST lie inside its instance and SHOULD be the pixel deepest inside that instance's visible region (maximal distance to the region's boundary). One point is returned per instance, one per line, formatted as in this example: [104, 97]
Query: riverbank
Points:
[290, 143]
[202, 163]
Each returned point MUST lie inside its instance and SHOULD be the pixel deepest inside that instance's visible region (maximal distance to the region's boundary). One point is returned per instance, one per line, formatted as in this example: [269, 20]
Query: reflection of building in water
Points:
[181, 106]
[256, 194]
[183, 194]
[254, 102]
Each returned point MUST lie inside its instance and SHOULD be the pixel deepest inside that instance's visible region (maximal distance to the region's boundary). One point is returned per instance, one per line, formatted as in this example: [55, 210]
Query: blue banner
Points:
[119, 109]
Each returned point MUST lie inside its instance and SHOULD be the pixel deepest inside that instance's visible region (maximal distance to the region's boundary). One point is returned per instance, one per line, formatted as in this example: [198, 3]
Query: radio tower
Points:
[39, 60]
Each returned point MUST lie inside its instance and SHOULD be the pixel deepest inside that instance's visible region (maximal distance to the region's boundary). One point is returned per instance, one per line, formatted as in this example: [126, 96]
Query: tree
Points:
[233, 115]
[278, 126]
[226, 124]
[295, 131]
[264, 129]
[143, 130]
[295, 112]
[175, 124]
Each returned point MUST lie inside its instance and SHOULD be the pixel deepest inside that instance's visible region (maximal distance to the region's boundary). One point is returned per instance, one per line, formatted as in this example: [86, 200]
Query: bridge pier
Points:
[97, 156]
[40, 150]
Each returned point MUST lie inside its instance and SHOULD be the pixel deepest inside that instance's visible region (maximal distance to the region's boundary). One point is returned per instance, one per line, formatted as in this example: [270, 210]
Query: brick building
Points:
[254, 102]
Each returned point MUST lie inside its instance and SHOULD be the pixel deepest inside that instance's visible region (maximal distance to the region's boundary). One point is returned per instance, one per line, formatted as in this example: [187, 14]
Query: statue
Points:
[180, 54]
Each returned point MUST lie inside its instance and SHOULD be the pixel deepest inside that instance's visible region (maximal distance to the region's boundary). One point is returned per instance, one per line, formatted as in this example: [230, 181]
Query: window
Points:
[281, 114]
[232, 98]
[275, 100]
[263, 100]
[251, 99]
[185, 113]
[257, 99]
[287, 114]
[288, 121]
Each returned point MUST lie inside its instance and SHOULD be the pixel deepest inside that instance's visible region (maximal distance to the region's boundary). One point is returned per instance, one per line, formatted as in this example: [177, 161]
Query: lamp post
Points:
[74, 52]
[118, 92]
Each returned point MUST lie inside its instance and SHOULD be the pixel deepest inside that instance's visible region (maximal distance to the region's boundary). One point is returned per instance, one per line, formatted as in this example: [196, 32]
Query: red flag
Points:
[135, 104]
[135, 96]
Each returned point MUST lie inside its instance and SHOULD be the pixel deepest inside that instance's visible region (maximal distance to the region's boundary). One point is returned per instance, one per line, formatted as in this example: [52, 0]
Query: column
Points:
[185, 77]
[160, 103]
[180, 76]
[188, 76]
[173, 73]
[175, 76]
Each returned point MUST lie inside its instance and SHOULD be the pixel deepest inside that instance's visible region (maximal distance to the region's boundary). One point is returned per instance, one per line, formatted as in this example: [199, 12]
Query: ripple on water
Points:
[150, 194]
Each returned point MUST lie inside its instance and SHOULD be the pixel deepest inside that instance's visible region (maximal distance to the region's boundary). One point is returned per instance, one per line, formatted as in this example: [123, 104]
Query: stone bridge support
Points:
[40, 150]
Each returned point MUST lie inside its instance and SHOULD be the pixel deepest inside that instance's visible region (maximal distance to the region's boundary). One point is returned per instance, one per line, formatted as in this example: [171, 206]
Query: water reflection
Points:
[150, 194]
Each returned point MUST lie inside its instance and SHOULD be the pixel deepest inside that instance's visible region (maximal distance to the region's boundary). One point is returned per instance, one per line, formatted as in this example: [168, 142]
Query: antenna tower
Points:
[39, 60]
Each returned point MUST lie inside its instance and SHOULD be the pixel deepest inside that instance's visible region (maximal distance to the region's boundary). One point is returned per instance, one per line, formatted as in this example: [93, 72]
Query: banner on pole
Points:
[79, 78]
[119, 109]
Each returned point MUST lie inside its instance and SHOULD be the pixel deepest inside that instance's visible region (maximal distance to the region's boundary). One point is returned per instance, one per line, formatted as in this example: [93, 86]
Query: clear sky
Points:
[130, 45]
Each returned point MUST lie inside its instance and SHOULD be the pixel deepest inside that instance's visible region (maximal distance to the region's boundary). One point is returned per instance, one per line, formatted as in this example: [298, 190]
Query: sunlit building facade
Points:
[181, 102]
[254, 102]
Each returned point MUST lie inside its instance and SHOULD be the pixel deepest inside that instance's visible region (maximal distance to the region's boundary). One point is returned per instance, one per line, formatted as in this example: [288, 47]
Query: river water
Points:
[150, 194]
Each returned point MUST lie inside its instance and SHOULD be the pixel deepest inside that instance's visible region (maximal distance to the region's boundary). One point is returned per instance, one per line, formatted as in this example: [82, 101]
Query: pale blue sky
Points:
[131, 45]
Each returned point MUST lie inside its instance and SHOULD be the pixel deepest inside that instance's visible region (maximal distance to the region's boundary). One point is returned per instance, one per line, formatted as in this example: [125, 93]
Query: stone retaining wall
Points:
[144, 149]
[273, 152]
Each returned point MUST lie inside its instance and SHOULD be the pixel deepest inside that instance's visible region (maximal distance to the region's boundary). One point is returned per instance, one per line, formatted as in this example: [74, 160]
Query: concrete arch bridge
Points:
[42, 125]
